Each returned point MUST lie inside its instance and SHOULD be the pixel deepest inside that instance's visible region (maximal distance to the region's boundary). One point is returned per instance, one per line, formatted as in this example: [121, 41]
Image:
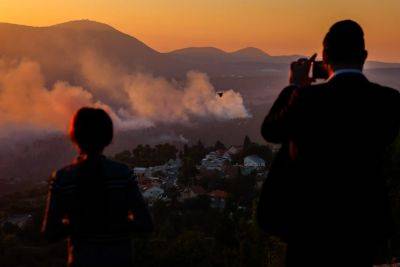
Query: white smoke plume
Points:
[133, 100]
[157, 98]
[160, 100]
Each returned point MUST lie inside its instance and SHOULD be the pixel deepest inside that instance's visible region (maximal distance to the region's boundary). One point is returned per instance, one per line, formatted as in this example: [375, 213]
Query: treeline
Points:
[146, 155]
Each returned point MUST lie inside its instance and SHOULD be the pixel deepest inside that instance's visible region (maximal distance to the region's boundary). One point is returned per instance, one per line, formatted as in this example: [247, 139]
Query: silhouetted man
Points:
[334, 136]
[95, 202]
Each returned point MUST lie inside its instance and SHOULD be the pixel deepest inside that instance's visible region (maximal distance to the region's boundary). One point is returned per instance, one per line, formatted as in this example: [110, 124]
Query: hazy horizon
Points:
[298, 28]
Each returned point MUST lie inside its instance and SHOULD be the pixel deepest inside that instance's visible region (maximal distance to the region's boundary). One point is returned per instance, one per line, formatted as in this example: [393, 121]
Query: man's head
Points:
[344, 46]
[91, 130]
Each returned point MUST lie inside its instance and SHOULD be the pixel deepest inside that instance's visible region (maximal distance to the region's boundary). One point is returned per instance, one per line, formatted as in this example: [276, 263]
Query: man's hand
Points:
[299, 71]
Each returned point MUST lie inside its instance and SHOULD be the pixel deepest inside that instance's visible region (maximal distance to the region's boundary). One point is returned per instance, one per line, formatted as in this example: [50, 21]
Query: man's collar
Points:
[345, 71]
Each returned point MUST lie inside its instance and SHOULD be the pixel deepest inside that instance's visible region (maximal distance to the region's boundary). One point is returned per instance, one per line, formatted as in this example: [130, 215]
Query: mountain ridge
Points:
[59, 49]
[90, 25]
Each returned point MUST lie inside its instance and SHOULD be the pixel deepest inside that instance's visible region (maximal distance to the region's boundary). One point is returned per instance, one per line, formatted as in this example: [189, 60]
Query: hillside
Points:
[60, 48]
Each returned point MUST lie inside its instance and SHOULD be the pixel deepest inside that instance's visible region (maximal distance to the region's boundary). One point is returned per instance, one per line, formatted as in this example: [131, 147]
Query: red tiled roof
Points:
[218, 194]
[198, 190]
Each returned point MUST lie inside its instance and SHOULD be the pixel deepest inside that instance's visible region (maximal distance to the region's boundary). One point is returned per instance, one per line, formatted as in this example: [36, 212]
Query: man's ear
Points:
[327, 63]
[365, 55]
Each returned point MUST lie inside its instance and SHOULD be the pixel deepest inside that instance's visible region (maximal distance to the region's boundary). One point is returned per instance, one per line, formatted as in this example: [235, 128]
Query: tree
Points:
[247, 142]
[187, 171]
[200, 145]
[219, 145]
[195, 153]
[147, 156]
[165, 152]
[124, 156]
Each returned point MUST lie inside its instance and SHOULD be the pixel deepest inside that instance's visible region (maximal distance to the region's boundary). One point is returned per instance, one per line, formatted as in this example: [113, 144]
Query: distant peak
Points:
[84, 24]
[250, 48]
[206, 49]
[250, 51]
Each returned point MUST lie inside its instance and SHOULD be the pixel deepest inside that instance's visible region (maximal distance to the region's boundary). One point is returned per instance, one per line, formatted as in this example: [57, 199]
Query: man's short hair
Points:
[91, 129]
[344, 43]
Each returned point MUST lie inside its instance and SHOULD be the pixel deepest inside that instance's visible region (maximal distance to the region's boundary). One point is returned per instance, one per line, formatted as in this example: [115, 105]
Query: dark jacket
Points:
[273, 210]
[335, 135]
[89, 202]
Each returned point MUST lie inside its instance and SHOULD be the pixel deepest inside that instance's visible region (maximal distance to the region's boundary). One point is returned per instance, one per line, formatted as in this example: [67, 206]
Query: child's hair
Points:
[91, 129]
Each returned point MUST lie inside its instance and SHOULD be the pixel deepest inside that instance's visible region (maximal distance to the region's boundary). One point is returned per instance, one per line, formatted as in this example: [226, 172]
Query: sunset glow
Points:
[276, 26]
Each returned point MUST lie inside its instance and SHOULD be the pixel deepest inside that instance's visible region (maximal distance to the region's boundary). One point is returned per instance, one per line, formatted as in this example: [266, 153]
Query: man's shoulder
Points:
[385, 91]
[317, 89]
[385, 97]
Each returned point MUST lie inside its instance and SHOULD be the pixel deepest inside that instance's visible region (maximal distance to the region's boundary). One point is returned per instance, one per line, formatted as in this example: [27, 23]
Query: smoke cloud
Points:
[133, 100]
[159, 100]
[26, 102]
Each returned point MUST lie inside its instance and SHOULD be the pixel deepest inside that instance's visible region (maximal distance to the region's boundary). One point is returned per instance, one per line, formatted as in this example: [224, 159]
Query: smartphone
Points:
[319, 71]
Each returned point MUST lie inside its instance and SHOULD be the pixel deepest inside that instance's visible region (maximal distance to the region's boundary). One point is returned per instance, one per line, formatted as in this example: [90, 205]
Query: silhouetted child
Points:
[95, 202]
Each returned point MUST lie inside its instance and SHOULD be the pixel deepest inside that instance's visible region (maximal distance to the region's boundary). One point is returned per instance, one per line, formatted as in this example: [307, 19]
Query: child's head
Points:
[91, 130]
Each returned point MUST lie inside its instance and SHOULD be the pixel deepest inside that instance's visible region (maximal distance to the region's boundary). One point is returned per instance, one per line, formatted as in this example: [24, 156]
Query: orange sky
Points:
[276, 26]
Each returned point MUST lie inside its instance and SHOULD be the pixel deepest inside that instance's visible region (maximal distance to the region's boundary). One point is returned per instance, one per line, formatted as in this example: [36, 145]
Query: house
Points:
[139, 171]
[233, 150]
[169, 169]
[218, 194]
[144, 183]
[192, 192]
[174, 164]
[254, 161]
[218, 198]
[215, 160]
[153, 193]
[247, 170]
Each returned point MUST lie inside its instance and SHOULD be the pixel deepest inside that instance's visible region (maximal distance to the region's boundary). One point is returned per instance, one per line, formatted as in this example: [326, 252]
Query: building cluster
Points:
[156, 181]
[161, 182]
[216, 160]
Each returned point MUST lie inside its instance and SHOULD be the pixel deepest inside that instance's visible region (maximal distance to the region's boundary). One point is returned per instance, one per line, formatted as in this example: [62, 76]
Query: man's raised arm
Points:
[275, 126]
[279, 121]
